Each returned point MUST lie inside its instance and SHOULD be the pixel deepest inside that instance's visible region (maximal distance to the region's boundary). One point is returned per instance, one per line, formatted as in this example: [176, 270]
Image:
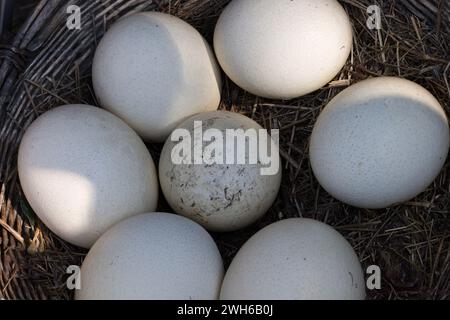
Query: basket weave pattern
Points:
[49, 65]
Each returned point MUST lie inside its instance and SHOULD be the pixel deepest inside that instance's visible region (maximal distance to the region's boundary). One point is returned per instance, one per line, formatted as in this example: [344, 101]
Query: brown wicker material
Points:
[435, 11]
[47, 65]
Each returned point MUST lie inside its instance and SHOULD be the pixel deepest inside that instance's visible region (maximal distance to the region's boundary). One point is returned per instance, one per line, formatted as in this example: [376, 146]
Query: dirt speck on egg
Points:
[220, 196]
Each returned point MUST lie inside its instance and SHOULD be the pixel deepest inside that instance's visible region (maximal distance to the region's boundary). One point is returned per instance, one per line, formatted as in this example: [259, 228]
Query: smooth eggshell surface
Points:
[221, 197]
[156, 256]
[154, 70]
[82, 169]
[295, 259]
[282, 49]
[380, 142]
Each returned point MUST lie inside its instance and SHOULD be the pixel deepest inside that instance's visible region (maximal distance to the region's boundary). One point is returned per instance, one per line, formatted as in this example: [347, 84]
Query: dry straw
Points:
[47, 65]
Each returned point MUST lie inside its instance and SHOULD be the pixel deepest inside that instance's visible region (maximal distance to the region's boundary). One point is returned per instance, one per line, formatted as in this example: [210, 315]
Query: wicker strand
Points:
[47, 65]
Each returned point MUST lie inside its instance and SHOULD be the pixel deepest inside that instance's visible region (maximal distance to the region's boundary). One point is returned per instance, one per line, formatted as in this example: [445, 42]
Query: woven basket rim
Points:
[44, 57]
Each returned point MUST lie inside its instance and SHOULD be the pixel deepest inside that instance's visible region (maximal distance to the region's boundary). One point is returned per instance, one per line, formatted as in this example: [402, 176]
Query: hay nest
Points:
[47, 65]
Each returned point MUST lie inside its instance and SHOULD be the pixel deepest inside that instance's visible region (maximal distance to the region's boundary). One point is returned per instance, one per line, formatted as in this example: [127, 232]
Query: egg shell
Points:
[221, 197]
[295, 259]
[154, 70]
[156, 256]
[282, 49]
[379, 143]
[82, 169]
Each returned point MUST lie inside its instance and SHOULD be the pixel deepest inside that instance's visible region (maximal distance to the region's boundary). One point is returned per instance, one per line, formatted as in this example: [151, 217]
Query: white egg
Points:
[155, 256]
[380, 142]
[295, 259]
[154, 70]
[221, 196]
[83, 169]
[283, 49]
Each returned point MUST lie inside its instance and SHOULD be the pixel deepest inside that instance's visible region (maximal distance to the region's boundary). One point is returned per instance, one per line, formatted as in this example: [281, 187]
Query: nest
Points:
[47, 65]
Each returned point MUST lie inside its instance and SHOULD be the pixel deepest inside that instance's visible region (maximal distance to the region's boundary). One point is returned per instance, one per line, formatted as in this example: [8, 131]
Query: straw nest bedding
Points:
[46, 65]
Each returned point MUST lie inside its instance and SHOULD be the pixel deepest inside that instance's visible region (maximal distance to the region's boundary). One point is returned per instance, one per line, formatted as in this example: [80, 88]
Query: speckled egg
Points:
[154, 70]
[295, 259]
[82, 169]
[155, 256]
[379, 143]
[220, 196]
[283, 49]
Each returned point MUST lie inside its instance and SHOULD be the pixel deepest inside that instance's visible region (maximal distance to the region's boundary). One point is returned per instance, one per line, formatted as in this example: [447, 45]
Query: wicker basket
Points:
[47, 65]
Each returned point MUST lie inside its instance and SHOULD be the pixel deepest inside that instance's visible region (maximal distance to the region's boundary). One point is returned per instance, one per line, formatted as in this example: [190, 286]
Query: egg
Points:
[154, 70]
[82, 169]
[379, 143]
[155, 256]
[221, 195]
[295, 259]
[282, 49]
